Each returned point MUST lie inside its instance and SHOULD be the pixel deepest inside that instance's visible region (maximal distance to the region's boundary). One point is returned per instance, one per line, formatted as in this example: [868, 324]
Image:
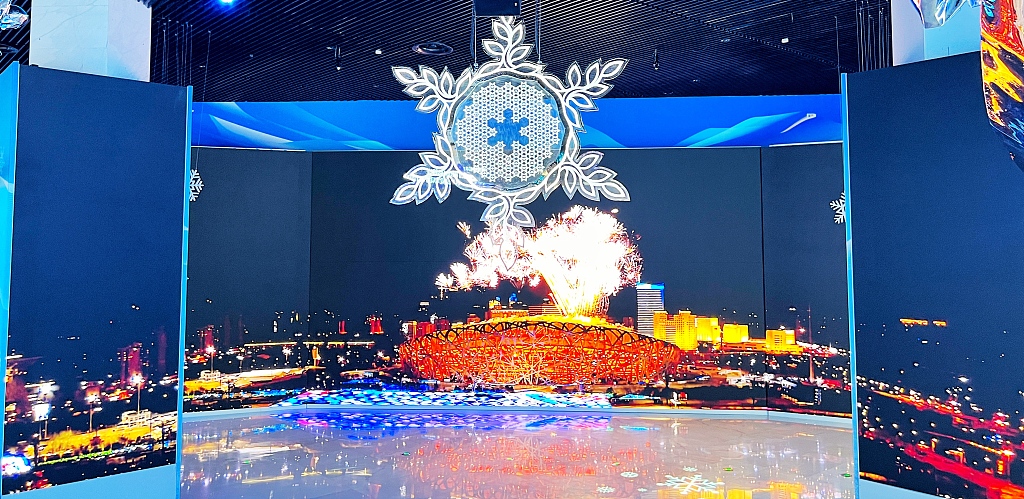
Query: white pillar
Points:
[101, 37]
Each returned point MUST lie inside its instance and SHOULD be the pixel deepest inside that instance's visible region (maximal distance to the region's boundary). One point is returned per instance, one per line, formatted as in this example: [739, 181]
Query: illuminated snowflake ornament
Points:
[507, 131]
[195, 185]
[687, 484]
[839, 207]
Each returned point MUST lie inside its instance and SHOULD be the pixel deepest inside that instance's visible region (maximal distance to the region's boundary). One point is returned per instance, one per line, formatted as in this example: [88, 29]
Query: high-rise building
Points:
[472, 319]
[708, 329]
[664, 328]
[686, 330]
[650, 298]
[341, 327]
[735, 333]
[131, 362]
[208, 342]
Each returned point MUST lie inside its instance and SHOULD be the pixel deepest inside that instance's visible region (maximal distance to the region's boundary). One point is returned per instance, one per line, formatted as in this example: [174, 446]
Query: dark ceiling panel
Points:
[279, 51]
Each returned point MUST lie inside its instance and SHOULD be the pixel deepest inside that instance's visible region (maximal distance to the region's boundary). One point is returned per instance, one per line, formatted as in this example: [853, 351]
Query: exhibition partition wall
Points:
[934, 199]
[97, 284]
[379, 315]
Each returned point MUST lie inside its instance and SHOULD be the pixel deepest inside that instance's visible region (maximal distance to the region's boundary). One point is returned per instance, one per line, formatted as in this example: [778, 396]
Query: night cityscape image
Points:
[597, 307]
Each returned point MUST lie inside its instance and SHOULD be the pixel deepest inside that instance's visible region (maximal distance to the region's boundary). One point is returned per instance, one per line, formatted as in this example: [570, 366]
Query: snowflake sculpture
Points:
[507, 131]
[839, 206]
[195, 185]
[604, 489]
[687, 484]
[629, 474]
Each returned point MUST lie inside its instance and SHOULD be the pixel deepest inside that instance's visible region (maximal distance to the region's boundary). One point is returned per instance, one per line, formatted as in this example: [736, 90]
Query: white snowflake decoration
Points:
[689, 469]
[507, 131]
[687, 484]
[195, 185]
[629, 474]
[604, 489]
[839, 206]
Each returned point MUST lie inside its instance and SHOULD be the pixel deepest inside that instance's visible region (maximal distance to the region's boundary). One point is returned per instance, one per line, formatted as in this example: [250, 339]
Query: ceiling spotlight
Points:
[11, 16]
[432, 48]
[656, 64]
[378, 51]
[785, 40]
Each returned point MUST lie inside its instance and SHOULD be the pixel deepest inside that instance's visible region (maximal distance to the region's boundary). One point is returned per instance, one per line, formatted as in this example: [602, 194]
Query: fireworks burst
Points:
[584, 256]
[465, 229]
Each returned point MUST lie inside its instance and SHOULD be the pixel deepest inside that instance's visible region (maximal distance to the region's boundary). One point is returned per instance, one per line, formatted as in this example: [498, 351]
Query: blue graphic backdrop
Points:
[620, 123]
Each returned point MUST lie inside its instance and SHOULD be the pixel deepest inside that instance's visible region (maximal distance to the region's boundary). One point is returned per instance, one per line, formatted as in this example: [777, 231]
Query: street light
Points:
[93, 401]
[211, 351]
[137, 382]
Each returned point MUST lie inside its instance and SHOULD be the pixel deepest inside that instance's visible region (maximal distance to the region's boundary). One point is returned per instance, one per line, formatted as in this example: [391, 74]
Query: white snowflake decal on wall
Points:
[195, 185]
[687, 484]
[839, 207]
[507, 131]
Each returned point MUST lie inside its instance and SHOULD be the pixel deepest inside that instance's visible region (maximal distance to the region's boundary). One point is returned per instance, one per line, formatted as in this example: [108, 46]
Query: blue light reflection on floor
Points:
[395, 455]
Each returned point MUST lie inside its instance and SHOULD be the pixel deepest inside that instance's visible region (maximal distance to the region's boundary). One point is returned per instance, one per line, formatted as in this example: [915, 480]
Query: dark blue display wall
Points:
[936, 246]
[96, 286]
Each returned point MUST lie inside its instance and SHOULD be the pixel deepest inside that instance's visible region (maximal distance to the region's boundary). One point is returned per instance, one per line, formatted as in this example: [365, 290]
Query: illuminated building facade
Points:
[735, 333]
[650, 298]
[664, 328]
[781, 340]
[131, 362]
[708, 329]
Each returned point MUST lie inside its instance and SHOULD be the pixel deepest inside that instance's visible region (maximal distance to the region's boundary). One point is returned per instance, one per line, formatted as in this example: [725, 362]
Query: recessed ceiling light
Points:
[432, 48]
[378, 51]
[785, 40]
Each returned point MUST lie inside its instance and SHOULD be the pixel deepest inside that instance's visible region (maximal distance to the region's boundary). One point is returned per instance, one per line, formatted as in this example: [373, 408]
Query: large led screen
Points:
[934, 204]
[421, 304]
[96, 279]
[248, 283]
[805, 276]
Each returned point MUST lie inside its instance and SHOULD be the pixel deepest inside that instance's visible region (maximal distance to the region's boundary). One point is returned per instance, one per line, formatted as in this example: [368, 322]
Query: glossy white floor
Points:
[374, 455]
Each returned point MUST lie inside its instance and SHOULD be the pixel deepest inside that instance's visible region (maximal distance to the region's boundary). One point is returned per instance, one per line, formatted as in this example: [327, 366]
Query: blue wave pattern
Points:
[621, 123]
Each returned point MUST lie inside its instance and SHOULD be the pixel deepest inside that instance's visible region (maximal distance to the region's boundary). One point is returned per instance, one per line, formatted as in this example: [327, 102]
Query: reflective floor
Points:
[374, 455]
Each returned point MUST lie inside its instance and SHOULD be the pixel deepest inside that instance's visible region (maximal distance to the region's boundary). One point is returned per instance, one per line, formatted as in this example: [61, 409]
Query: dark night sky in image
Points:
[697, 211]
[804, 249]
[937, 232]
[97, 221]
[249, 240]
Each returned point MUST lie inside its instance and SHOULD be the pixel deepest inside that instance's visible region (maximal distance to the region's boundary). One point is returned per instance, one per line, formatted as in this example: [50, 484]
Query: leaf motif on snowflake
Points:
[839, 207]
[507, 131]
[195, 185]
